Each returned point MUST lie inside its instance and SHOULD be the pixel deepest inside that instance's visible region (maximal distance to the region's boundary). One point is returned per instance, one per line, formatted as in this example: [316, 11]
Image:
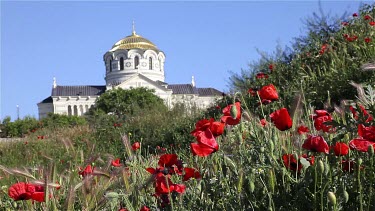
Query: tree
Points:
[127, 102]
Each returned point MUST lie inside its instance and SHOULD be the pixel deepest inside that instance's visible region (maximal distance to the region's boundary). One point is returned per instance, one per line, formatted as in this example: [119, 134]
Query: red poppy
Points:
[290, 161]
[367, 17]
[26, 191]
[349, 165]
[136, 146]
[372, 23]
[227, 118]
[316, 144]
[281, 119]
[252, 92]
[340, 149]
[123, 209]
[87, 171]
[302, 129]
[320, 117]
[355, 15]
[344, 23]
[352, 38]
[144, 208]
[263, 122]
[361, 144]
[116, 163]
[206, 144]
[163, 184]
[179, 188]
[191, 173]
[117, 124]
[217, 128]
[367, 132]
[270, 67]
[323, 49]
[268, 93]
[261, 76]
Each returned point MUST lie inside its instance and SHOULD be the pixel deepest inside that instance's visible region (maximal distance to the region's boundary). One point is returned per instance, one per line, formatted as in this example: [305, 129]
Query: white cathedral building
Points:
[133, 61]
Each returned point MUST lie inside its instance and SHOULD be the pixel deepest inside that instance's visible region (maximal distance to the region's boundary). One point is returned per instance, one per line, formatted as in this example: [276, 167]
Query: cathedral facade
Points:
[132, 62]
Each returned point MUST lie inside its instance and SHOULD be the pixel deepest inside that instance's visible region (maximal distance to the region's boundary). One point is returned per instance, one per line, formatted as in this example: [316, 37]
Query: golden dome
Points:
[134, 41]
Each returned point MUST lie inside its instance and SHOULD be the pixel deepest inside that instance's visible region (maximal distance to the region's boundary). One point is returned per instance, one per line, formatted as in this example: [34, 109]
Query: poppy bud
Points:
[239, 184]
[111, 195]
[261, 149]
[320, 166]
[251, 186]
[346, 137]
[346, 196]
[331, 197]
[233, 111]
[15, 204]
[360, 161]
[272, 147]
[326, 168]
[370, 150]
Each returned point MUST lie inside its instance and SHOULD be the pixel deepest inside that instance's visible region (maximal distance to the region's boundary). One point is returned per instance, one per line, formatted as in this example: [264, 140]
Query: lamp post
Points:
[18, 112]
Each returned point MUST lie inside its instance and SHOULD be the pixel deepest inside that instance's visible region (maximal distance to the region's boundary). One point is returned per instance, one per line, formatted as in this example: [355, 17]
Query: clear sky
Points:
[67, 40]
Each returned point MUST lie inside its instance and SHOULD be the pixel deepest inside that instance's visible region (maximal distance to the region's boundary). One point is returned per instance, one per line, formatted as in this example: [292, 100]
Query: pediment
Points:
[140, 80]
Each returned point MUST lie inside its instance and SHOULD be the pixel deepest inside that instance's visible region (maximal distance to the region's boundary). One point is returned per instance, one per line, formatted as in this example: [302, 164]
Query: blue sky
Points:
[67, 40]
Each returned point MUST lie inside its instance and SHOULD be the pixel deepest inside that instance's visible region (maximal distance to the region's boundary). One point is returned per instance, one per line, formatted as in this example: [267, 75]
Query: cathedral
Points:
[133, 61]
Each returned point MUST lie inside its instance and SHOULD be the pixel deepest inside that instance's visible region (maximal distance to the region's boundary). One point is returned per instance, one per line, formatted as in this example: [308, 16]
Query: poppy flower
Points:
[268, 93]
[116, 163]
[87, 171]
[320, 117]
[217, 128]
[302, 129]
[261, 76]
[270, 67]
[206, 144]
[291, 162]
[340, 149]
[355, 15]
[352, 38]
[26, 191]
[252, 92]
[372, 23]
[191, 173]
[323, 49]
[367, 17]
[281, 119]
[179, 188]
[366, 132]
[123, 209]
[263, 122]
[144, 208]
[316, 144]
[361, 144]
[228, 118]
[136, 146]
[349, 165]
[344, 23]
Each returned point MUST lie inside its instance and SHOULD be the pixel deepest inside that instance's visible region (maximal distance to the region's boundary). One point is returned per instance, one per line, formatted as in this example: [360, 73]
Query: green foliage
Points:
[18, 128]
[126, 102]
[321, 64]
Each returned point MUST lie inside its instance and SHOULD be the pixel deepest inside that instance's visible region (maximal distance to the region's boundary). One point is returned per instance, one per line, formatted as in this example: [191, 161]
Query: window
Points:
[150, 63]
[121, 63]
[136, 62]
[75, 109]
[110, 65]
[69, 110]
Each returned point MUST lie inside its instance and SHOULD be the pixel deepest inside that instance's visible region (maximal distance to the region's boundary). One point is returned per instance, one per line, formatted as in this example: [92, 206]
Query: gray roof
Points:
[208, 92]
[183, 89]
[189, 89]
[47, 100]
[78, 90]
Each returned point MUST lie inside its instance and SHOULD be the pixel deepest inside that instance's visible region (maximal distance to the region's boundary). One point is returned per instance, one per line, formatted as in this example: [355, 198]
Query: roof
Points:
[47, 100]
[134, 41]
[78, 90]
[208, 92]
[182, 89]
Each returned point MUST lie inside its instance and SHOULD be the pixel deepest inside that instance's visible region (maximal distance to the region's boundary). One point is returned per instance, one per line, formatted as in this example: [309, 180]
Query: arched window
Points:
[75, 109]
[121, 63]
[150, 63]
[69, 110]
[110, 65]
[136, 62]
